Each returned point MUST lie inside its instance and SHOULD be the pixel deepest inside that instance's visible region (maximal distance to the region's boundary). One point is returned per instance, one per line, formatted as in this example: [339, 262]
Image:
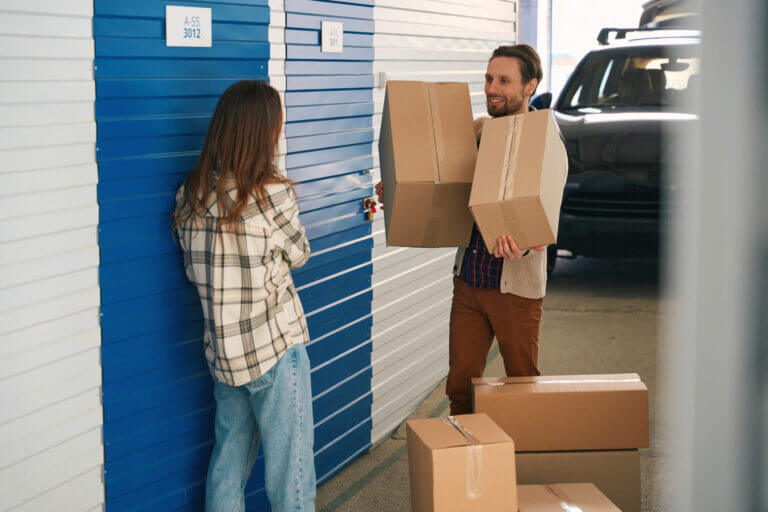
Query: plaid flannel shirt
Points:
[480, 269]
[250, 305]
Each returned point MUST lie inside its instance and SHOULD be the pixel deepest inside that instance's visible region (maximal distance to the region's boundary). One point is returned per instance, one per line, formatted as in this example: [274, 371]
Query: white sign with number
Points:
[332, 37]
[188, 26]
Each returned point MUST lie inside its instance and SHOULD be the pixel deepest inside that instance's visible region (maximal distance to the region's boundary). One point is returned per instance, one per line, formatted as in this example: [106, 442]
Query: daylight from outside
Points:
[575, 25]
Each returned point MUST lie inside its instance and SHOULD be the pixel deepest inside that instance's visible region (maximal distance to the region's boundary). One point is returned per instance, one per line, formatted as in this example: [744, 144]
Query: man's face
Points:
[505, 92]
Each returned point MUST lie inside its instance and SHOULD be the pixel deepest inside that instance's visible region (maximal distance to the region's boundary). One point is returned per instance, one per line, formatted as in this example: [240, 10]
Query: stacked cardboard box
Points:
[576, 428]
[563, 497]
[462, 463]
[467, 463]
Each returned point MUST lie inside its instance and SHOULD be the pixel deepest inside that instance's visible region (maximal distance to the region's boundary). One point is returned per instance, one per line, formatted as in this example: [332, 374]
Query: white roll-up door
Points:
[435, 41]
[51, 453]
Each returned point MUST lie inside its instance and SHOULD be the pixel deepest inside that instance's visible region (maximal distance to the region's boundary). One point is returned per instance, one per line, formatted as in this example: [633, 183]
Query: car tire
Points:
[551, 259]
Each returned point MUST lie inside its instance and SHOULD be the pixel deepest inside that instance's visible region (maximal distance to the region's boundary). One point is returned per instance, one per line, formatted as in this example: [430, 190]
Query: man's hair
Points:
[530, 63]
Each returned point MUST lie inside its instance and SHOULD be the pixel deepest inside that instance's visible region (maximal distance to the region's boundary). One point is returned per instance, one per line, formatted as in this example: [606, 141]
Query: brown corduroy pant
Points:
[477, 314]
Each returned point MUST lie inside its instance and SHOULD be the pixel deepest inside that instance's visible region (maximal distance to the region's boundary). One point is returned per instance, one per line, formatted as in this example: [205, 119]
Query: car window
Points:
[638, 78]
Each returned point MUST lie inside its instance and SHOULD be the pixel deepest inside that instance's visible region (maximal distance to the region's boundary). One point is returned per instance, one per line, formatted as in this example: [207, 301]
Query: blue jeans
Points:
[276, 409]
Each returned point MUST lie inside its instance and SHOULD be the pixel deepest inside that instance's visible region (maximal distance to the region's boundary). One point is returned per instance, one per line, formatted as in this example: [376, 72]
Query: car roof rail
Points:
[621, 33]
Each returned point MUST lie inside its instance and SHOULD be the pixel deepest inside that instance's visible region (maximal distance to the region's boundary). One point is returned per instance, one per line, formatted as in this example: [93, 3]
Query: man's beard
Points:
[502, 109]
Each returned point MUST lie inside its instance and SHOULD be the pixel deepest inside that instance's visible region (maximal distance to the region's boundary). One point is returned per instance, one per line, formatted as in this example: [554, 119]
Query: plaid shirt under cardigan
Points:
[480, 269]
[251, 309]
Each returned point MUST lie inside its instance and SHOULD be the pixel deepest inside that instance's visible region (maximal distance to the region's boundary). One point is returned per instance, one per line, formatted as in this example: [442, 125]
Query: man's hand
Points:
[380, 191]
[507, 248]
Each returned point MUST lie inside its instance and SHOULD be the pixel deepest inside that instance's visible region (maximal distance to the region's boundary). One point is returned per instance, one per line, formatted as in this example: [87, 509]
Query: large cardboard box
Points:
[615, 473]
[570, 412]
[563, 497]
[519, 179]
[427, 149]
[463, 465]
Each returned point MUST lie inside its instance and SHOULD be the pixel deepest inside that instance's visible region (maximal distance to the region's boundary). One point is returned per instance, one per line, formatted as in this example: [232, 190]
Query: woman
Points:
[238, 226]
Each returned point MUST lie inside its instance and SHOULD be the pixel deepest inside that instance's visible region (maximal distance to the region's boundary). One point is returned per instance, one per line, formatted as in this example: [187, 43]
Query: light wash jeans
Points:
[276, 409]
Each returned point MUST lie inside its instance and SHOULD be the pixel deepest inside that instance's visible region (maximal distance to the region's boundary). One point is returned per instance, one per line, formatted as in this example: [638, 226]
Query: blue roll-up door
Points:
[152, 109]
[329, 153]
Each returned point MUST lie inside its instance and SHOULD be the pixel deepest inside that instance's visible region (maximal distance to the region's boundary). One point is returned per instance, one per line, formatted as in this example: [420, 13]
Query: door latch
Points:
[369, 206]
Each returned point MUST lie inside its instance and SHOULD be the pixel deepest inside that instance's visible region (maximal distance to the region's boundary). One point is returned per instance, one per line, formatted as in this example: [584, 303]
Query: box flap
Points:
[454, 132]
[492, 160]
[509, 145]
[437, 434]
[527, 153]
[409, 124]
[419, 209]
[559, 383]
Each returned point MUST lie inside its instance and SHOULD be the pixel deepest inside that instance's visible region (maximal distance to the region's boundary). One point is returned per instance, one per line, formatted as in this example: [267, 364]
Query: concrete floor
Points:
[600, 316]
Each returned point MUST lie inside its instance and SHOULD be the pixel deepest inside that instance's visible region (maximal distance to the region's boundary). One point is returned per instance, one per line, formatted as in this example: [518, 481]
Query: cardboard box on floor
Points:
[569, 412]
[615, 473]
[560, 497]
[519, 179]
[466, 466]
[427, 149]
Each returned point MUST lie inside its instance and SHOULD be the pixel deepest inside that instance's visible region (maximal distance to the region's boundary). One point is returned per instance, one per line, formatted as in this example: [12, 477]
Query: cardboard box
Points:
[570, 412]
[519, 179]
[461, 467]
[615, 473]
[428, 151]
[560, 497]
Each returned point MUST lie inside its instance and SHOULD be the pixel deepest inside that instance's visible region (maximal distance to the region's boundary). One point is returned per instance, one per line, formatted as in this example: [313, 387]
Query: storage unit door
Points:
[329, 102]
[153, 106]
[51, 453]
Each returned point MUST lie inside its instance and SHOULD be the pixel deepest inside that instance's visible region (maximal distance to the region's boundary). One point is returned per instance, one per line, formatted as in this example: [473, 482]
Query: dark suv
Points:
[614, 112]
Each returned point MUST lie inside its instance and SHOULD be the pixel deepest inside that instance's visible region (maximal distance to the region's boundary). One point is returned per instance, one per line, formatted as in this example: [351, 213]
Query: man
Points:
[501, 293]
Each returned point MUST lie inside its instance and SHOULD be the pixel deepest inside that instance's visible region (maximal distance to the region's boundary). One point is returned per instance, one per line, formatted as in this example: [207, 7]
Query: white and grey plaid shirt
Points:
[251, 309]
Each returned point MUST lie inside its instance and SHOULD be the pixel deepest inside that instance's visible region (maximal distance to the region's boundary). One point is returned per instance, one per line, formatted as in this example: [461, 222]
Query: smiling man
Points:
[501, 293]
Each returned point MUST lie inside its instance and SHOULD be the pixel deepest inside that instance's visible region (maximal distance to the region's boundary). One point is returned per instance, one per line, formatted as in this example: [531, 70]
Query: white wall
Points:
[51, 452]
[434, 41]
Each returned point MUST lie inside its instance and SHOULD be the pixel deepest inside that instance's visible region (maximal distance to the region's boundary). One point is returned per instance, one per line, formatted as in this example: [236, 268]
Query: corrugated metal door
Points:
[329, 108]
[433, 41]
[51, 454]
[153, 107]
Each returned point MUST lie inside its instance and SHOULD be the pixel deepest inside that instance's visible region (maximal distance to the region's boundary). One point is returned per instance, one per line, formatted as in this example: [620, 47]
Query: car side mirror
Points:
[543, 100]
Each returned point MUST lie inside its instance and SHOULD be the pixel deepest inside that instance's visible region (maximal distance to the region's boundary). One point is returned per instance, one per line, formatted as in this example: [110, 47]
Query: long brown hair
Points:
[240, 149]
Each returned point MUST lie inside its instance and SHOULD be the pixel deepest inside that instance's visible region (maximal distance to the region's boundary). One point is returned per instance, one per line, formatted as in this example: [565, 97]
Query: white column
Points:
[534, 26]
[716, 363]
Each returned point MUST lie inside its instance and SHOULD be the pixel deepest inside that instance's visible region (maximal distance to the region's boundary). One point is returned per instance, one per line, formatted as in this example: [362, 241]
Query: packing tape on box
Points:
[563, 499]
[514, 148]
[560, 381]
[474, 458]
